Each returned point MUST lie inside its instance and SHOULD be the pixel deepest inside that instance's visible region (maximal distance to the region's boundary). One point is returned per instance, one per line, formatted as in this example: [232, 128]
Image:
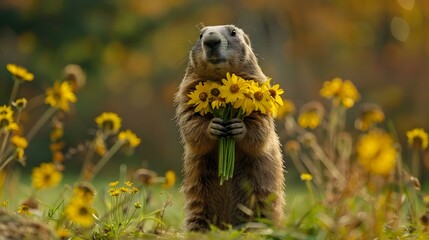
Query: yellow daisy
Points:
[200, 98]
[233, 88]
[342, 92]
[275, 92]
[20, 103]
[63, 233]
[84, 191]
[306, 177]
[369, 116]
[19, 72]
[6, 119]
[376, 153]
[262, 100]
[417, 138]
[109, 122]
[80, 212]
[170, 179]
[129, 138]
[311, 115]
[60, 95]
[6, 111]
[19, 142]
[214, 98]
[45, 176]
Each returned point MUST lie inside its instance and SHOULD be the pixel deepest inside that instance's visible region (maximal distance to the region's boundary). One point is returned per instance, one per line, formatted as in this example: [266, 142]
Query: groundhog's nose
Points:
[212, 40]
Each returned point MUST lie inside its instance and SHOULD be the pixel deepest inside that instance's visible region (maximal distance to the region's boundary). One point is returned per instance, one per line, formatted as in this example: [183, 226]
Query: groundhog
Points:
[256, 190]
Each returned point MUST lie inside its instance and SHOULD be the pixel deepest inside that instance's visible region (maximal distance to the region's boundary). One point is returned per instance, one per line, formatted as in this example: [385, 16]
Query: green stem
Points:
[3, 146]
[6, 162]
[42, 120]
[106, 158]
[14, 90]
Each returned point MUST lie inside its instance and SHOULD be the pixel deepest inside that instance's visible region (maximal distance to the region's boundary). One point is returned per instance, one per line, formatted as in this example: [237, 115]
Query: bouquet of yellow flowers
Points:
[234, 98]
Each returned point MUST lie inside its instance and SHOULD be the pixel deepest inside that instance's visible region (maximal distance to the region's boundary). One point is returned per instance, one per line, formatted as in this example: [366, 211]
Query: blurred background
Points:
[134, 53]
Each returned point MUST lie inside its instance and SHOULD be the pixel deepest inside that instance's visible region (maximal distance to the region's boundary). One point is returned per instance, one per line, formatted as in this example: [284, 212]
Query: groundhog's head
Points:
[222, 49]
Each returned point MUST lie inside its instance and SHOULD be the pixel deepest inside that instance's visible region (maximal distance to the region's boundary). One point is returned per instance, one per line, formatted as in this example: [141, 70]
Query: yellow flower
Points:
[129, 138]
[113, 184]
[24, 209]
[45, 176]
[19, 142]
[200, 98]
[60, 95]
[306, 177]
[216, 100]
[63, 233]
[286, 109]
[109, 122]
[114, 192]
[275, 92]
[7, 123]
[84, 191]
[80, 212]
[370, 114]
[19, 72]
[311, 115]
[417, 138]
[128, 183]
[124, 190]
[342, 92]
[170, 179]
[233, 88]
[137, 205]
[376, 153]
[262, 101]
[6, 111]
[20, 103]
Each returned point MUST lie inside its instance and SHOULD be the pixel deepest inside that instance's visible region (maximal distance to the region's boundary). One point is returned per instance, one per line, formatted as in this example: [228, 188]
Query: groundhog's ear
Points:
[246, 39]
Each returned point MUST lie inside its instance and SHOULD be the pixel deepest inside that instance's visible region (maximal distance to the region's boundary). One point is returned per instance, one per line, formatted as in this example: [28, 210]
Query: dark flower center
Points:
[417, 142]
[47, 178]
[108, 125]
[4, 122]
[203, 96]
[259, 96]
[83, 211]
[234, 88]
[215, 92]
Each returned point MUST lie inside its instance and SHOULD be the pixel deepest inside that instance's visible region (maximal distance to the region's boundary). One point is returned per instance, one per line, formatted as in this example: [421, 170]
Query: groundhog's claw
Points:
[216, 128]
[236, 128]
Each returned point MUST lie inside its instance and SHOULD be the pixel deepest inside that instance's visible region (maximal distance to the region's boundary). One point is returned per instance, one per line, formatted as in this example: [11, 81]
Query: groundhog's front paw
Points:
[236, 128]
[217, 128]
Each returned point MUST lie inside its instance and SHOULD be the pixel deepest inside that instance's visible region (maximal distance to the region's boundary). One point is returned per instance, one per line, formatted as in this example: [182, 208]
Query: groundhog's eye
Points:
[201, 35]
[233, 33]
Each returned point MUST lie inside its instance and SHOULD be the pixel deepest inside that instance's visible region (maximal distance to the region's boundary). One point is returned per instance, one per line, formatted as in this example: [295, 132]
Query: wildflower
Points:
[262, 100]
[128, 183]
[275, 92]
[63, 233]
[129, 138]
[57, 131]
[145, 176]
[109, 122]
[370, 114]
[80, 212]
[24, 209]
[170, 179]
[60, 95]
[306, 177]
[376, 153]
[200, 98]
[84, 191]
[134, 190]
[124, 190]
[75, 76]
[19, 142]
[311, 115]
[115, 193]
[342, 92]
[6, 119]
[20, 103]
[137, 205]
[233, 89]
[45, 176]
[286, 109]
[113, 184]
[19, 72]
[417, 138]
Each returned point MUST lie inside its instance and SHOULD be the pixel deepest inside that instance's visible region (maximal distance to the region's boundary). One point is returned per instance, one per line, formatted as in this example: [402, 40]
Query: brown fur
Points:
[258, 181]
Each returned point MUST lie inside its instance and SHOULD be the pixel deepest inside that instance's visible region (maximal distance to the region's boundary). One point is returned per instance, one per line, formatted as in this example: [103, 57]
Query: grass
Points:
[352, 183]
